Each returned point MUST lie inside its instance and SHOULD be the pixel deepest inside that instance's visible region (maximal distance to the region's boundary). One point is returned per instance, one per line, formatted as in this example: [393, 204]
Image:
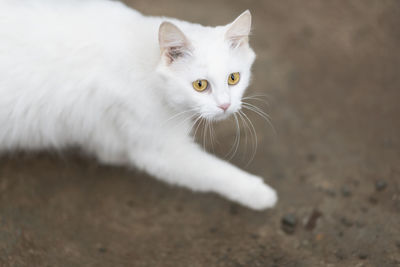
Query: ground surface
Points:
[331, 71]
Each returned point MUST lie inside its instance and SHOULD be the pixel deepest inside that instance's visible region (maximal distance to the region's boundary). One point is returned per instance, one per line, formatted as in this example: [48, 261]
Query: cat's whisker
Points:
[198, 119]
[232, 147]
[242, 126]
[210, 133]
[204, 133]
[245, 131]
[256, 99]
[253, 131]
[261, 98]
[205, 124]
[237, 140]
[178, 115]
[186, 119]
[214, 136]
[198, 125]
[261, 113]
[238, 129]
[194, 123]
[257, 95]
[256, 108]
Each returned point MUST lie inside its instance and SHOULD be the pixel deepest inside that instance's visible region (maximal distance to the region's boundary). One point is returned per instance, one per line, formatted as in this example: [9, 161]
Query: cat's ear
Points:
[237, 33]
[173, 43]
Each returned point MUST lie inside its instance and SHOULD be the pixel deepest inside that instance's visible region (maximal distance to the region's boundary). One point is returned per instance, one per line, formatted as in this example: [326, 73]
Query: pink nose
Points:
[224, 106]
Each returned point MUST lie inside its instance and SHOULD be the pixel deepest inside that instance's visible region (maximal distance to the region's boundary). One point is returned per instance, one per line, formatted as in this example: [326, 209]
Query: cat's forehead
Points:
[210, 46]
[207, 39]
[212, 54]
[212, 60]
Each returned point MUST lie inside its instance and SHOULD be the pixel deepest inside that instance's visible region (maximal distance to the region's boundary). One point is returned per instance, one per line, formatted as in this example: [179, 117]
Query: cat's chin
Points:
[222, 116]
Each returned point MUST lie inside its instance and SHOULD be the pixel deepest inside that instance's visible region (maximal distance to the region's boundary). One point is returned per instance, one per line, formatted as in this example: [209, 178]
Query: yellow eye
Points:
[233, 78]
[200, 85]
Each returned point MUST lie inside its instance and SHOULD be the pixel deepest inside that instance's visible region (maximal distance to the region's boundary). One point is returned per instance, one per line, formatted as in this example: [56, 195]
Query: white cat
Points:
[101, 76]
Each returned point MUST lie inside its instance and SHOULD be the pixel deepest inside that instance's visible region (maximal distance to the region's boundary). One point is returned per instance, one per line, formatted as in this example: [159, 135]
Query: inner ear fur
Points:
[173, 42]
[238, 31]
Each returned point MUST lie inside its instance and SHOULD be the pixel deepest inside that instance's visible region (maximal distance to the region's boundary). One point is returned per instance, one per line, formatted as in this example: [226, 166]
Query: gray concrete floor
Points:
[331, 73]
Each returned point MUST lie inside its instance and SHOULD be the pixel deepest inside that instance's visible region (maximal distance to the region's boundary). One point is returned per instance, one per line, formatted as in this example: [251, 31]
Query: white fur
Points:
[92, 74]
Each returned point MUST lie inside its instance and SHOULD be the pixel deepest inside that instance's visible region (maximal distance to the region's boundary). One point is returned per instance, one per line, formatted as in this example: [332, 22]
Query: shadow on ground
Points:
[331, 73]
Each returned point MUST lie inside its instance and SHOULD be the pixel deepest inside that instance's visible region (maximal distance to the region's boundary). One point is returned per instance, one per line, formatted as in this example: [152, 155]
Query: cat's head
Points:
[206, 69]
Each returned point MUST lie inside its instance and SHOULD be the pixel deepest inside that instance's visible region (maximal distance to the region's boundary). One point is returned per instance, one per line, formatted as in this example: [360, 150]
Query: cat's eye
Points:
[200, 85]
[233, 78]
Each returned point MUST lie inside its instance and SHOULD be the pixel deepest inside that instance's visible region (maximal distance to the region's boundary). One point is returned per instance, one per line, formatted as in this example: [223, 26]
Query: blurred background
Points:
[330, 73]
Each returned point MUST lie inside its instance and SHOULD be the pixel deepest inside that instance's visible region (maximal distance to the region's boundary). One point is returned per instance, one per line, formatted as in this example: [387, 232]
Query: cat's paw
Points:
[255, 194]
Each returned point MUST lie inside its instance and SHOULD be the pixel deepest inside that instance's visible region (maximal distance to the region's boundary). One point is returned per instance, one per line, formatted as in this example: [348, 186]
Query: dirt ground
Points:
[331, 73]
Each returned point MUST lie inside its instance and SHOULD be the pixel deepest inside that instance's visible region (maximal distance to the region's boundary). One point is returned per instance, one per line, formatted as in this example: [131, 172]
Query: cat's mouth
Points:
[219, 115]
[222, 116]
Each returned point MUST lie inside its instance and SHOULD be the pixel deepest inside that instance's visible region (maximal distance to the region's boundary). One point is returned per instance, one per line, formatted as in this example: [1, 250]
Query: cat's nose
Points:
[225, 106]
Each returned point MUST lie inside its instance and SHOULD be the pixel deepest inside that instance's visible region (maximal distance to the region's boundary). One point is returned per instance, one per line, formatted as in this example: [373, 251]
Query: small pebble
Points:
[179, 208]
[398, 244]
[364, 209]
[373, 200]
[289, 219]
[130, 203]
[254, 236]
[311, 157]
[362, 255]
[347, 222]
[360, 224]
[305, 242]
[330, 192]
[380, 185]
[102, 250]
[213, 230]
[340, 254]
[289, 222]
[346, 192]
[319, 237]
[356, 183]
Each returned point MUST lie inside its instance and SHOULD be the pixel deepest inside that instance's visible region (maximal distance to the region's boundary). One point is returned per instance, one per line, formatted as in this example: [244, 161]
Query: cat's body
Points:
[101, 76]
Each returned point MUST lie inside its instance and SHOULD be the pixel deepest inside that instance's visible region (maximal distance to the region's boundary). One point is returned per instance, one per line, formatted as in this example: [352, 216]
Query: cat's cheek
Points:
[178, 100]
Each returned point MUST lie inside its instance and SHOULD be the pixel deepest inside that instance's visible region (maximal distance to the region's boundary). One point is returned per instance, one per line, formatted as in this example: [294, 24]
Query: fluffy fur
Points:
[101, 76]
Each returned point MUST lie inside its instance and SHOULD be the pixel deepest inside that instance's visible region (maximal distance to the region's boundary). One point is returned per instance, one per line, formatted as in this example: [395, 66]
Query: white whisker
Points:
[261, 113]
[204, 133]
[245, 132]
[255, 136]
[194, 123]
[261, 98]
[178, 114]
[210, 131]
[238, 137]
[232, 147]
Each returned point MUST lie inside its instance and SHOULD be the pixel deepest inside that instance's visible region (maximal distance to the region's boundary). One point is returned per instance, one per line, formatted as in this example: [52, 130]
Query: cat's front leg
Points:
[185, 164]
